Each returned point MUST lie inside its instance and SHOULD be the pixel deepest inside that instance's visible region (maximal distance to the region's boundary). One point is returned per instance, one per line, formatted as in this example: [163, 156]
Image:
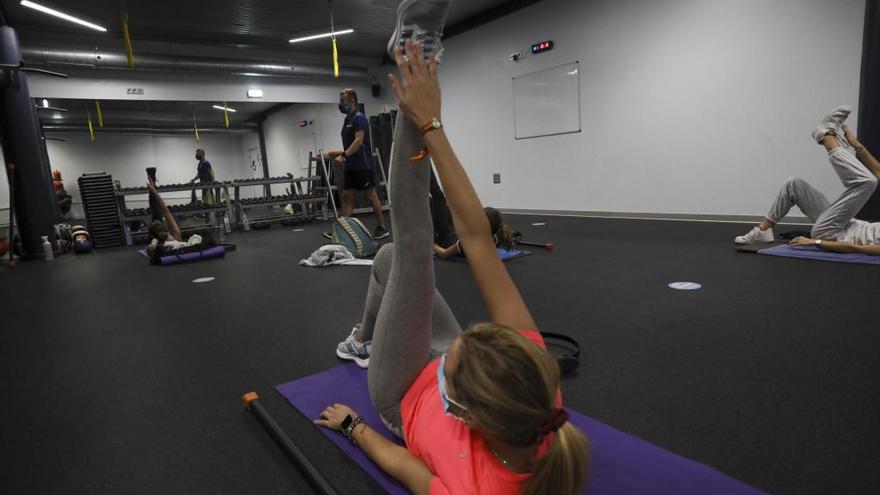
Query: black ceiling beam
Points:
[486, 17]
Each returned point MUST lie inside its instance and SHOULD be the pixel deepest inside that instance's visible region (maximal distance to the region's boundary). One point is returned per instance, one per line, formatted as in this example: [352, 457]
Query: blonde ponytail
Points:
[510, 387]
[505, 237]
[563, 470]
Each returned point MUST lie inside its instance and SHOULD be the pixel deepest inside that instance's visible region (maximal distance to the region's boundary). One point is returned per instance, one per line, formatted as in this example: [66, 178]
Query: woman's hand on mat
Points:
[417, 90]
[334, 415]
[802, 241]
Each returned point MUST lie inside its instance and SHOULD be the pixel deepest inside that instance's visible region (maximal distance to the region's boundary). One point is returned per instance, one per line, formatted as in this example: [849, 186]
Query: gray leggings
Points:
[404, 314]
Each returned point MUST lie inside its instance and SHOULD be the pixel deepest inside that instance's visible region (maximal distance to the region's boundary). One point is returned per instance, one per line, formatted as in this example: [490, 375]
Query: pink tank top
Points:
[459, 458]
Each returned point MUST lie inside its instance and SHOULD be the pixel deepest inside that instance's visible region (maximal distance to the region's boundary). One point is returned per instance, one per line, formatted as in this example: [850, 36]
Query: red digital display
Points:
[542, 46]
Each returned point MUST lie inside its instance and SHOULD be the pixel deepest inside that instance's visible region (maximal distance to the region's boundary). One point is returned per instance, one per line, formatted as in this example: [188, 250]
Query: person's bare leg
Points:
[830, 142]
[347, 203]
[377, 206]
[862, 153]
[766, 224]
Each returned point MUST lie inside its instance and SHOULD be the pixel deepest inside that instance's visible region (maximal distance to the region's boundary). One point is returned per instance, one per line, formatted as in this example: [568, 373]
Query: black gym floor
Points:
[121, 377]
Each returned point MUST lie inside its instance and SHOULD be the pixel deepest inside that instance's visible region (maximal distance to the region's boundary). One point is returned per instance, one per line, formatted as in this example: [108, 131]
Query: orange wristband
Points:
[433, 125]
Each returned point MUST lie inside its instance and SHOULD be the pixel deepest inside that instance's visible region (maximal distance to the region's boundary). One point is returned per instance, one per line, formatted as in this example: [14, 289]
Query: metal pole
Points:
[251, 402]
[327, 181]
[11, 175]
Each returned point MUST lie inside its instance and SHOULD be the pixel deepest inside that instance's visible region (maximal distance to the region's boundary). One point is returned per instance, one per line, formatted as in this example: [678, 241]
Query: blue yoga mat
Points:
[622, 464]
[814, 253]
[506, 255]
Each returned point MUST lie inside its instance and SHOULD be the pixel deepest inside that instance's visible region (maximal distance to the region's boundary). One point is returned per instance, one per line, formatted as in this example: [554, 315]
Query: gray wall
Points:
[687, 107]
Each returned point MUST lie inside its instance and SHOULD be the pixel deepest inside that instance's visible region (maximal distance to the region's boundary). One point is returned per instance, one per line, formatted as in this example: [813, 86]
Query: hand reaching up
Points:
[417, 90]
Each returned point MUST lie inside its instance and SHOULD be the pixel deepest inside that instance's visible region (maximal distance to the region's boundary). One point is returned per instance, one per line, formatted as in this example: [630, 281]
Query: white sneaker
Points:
[755, 236]
[422, 21]
[830, 124]
[353, 350]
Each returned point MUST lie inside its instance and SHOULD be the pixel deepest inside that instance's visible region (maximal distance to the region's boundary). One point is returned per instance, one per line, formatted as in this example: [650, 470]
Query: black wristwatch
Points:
[348, 425]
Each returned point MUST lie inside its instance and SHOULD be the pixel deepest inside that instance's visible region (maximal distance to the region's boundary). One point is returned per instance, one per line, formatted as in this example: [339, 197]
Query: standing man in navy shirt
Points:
[357, 160]
[205, 175]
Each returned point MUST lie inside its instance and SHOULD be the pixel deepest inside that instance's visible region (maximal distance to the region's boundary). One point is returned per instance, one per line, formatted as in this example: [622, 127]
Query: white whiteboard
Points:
[548, 102]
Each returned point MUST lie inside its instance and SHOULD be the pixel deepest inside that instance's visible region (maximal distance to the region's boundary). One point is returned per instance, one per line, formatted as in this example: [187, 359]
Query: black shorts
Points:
[359, 180]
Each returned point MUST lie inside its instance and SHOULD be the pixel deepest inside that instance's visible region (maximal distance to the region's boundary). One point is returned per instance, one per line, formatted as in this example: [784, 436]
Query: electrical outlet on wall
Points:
[496, 178]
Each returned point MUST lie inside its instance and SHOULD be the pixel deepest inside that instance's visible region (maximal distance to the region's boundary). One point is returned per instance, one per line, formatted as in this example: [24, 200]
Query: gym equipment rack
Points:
[144, 214]
[300, 194]
[333, 184]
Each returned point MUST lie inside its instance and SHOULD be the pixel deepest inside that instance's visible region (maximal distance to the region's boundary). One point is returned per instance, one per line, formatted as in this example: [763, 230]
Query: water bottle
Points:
[48, 254]
[245, 222]
[128, 240]
[226, 227]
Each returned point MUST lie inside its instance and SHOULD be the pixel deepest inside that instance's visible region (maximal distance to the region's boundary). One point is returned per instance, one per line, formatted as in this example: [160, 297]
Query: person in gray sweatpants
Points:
[835, 227]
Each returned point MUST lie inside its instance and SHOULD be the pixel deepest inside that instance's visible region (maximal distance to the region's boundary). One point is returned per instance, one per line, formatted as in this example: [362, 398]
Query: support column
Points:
[869, 98]
[263, 158]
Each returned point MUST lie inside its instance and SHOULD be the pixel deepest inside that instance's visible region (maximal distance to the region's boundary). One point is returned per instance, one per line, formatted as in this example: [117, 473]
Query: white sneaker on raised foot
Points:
[422, 21]
[831, 123]
[353, 350]
[755, 236]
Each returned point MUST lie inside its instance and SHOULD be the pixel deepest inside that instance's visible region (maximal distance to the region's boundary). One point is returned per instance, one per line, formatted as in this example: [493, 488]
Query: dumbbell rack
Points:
[300, 194]
[192, 209]
[336, 181]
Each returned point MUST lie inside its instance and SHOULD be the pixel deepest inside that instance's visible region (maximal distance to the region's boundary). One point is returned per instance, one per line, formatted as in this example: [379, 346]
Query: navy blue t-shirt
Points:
[204, 171]
[360, 160]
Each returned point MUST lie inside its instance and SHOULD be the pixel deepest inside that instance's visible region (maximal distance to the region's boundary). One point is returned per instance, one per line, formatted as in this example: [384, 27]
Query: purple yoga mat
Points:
[814, 253]
[622, 464]
[174, 259]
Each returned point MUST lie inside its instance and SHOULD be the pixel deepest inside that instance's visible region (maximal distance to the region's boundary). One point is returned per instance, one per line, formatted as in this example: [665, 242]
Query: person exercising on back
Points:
[834, 225]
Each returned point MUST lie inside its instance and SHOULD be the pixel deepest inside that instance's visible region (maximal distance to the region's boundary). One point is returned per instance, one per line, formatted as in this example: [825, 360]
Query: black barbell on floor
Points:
[251, 402]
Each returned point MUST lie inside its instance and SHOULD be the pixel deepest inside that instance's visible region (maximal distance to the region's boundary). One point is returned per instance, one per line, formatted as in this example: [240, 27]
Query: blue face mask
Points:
[441, 386]
[345, 107]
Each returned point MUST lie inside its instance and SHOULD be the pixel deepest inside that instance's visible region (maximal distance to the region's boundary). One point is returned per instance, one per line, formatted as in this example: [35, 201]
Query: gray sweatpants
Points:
[404, 314]
[830, 220]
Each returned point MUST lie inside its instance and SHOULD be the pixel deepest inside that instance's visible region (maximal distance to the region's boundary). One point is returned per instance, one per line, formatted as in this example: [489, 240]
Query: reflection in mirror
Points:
[261, 139]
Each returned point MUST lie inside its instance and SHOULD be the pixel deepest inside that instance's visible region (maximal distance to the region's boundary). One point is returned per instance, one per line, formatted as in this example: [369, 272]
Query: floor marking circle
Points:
[298, 230]
[202, 280]
[685, 285]
[537, 224]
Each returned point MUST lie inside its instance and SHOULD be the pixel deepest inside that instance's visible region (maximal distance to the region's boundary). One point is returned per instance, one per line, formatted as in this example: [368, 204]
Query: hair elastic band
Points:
[560, 417]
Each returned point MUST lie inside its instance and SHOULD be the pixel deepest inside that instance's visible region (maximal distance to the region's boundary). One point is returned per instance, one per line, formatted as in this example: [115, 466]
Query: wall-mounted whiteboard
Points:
[548, 102]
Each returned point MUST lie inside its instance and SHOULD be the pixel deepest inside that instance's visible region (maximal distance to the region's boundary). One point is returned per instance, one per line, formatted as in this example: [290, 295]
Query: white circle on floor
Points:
[202, 280]
[537, 224]
[685, 285]
[298, 230]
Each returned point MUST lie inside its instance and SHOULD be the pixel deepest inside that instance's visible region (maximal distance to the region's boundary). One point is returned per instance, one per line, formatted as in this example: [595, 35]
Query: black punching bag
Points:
[35, 207]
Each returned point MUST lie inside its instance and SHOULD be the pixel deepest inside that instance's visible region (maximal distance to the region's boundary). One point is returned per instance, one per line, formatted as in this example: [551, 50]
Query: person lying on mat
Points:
[834, 226]
[480, 411]
[501, 234]
[166, 237]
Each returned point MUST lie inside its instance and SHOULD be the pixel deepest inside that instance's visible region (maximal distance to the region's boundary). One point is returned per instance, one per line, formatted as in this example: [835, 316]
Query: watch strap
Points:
[347, 431]
[433, 125]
